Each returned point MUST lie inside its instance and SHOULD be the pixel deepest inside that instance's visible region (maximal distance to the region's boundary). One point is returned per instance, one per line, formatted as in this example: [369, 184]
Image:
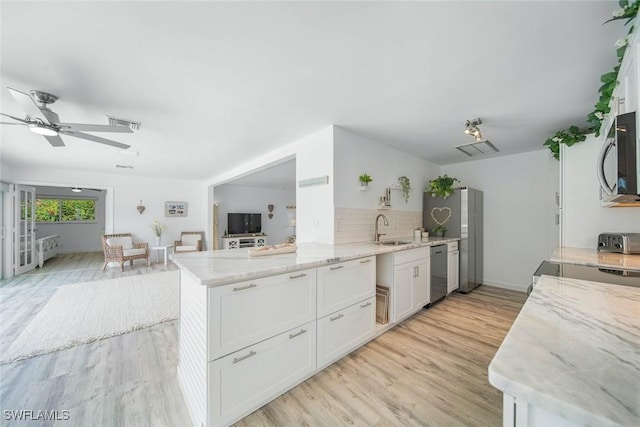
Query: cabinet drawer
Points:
[341, 332]
[245, 380]
[341, 285]
[244, 313]
[452, 246]
[409, 255]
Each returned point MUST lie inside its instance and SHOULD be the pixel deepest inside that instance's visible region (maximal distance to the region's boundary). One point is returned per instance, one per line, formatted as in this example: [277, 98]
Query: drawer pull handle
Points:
[302, 331]
[297, 276]
[337, 267]
[242, 288]
[336, 317]
[364, 261]
[246, 356]
[365, 305]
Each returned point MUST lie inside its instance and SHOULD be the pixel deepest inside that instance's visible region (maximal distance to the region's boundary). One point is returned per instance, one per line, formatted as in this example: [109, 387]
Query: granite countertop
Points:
[215, 268]
[592, 257]
[574, 351]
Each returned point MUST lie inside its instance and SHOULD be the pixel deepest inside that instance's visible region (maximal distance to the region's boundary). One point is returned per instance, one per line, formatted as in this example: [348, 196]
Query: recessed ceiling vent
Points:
[477, 148]
[115, 121]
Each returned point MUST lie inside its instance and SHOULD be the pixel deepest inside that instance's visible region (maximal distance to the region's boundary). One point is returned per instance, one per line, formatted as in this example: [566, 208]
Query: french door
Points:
[24, 230]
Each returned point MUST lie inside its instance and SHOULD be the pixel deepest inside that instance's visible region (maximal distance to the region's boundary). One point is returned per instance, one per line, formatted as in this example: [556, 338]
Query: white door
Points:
[24, 225]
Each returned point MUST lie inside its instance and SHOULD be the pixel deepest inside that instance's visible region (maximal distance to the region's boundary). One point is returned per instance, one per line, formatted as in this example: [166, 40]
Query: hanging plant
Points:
[441, 186]
[571, 136]
[405, 185]
[575, 134]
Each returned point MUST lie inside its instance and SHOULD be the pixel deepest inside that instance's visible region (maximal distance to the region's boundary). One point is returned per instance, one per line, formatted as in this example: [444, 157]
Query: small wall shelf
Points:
[364, 188]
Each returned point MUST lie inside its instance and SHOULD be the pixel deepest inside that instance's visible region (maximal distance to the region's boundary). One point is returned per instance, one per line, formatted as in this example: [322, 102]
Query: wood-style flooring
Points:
[431, 370]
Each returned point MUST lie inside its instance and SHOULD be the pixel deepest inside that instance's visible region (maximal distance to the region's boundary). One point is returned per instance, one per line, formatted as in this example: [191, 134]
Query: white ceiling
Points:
[215, 84]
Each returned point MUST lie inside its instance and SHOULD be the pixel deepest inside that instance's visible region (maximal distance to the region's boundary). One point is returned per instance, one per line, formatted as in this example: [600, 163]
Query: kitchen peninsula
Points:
[572, 357]
[251, 328]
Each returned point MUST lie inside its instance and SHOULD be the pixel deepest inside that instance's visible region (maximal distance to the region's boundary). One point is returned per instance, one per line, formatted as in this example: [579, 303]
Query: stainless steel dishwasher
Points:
[438, 287]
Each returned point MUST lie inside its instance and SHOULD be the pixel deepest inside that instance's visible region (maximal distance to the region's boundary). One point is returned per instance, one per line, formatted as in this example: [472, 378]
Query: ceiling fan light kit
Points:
[42, 121]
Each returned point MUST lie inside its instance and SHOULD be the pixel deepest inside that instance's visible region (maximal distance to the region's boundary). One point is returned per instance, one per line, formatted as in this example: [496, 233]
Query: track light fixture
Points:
[480, 146]
[471, 128]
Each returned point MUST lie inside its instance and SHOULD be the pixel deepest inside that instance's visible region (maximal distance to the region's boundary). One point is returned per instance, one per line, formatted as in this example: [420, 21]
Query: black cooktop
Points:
[585, 272]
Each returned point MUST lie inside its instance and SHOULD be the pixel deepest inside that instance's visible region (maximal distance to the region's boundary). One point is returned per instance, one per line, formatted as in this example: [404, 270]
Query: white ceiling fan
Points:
[41, 120]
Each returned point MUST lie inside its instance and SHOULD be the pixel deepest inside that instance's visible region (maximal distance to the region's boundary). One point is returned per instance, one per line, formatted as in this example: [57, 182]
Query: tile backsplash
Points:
[357, 225]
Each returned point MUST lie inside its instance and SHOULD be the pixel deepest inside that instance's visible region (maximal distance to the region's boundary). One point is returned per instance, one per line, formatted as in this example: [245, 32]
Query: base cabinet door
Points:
[402, 291]
[421, 282]
[247, 379]
[453, 271]
[345, 330]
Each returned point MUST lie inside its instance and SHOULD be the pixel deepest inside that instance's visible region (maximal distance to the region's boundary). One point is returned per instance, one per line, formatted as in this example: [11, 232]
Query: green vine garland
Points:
[575, 134]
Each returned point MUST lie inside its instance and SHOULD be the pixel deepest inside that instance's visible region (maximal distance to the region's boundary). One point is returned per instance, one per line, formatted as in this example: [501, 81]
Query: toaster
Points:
[621, 243]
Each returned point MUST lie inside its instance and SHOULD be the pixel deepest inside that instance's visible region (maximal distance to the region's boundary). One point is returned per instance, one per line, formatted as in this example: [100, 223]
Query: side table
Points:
[164, 249]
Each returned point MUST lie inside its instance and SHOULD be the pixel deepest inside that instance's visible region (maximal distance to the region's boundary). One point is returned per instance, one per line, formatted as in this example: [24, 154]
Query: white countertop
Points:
[574, 351]
[592, 257]
[214, 268]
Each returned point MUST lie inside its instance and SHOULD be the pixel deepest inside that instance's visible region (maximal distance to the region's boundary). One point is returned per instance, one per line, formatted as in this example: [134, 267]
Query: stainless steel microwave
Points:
[619, 162]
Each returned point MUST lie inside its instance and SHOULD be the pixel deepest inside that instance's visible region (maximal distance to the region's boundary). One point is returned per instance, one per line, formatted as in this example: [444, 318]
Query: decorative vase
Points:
[158, 240]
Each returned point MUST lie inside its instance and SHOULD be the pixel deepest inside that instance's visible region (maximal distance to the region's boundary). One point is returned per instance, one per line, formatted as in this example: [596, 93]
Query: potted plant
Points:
[441, 186]
[365, 179]
[439, 231]
[405, 186]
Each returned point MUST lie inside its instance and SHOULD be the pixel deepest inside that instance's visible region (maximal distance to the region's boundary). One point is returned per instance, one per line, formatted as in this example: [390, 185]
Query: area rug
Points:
[85, 312]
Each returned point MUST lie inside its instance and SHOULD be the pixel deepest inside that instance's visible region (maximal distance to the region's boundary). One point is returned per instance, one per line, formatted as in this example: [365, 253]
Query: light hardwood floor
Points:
[431, 370]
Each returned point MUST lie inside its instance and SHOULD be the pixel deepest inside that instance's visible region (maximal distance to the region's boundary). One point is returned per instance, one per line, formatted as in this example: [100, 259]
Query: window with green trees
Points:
[65, 210]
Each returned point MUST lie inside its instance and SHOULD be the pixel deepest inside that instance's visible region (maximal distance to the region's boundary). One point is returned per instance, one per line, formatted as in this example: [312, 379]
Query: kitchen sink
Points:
[394, 242]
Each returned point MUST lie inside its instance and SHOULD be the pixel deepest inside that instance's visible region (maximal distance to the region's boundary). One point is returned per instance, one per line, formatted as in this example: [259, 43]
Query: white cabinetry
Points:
[244, 313]
[245, 343]
[345, 330]
[341, 285]
[406, 273]
[237, 242]
[346, 307]
[453, 267]
[518, 413]
[246, 379]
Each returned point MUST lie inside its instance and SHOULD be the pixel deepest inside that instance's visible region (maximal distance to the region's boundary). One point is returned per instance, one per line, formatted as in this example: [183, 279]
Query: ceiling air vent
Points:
[124, 166]
[115, 121]
[477, 148]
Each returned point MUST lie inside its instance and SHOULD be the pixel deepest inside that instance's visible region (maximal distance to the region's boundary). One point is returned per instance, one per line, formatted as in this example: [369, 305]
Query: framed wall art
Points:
[175, 208]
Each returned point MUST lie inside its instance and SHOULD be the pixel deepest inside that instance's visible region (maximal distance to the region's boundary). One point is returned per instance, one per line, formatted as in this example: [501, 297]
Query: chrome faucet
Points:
[376, 236]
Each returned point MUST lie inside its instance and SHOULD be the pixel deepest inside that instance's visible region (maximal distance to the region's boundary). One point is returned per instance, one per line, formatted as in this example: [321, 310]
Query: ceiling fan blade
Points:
[14, 118]
[55, 141]
[28, 105]
[95, 139]
[95, 128]
[12, 123]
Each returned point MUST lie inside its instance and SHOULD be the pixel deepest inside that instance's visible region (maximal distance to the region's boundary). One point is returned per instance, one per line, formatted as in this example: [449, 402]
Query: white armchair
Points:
[190, 241]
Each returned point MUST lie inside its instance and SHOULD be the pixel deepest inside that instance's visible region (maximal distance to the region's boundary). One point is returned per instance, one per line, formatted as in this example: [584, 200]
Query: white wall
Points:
[519, 213]
[314, 158]
[74, 237]
[315, 213]
[355, 154]
[583, 218]
[237, 198]
[124, 193]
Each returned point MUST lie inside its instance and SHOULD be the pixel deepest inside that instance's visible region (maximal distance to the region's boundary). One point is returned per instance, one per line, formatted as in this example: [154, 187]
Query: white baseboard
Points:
[510, 286]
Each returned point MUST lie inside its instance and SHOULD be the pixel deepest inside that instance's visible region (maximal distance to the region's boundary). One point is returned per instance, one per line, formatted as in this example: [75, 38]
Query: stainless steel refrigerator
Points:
[465, 222]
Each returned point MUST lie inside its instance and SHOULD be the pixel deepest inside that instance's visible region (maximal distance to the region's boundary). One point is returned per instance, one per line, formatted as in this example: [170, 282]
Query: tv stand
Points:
[236, 241]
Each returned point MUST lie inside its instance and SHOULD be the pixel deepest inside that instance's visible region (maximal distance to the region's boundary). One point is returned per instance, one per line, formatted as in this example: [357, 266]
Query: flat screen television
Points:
[244, 223]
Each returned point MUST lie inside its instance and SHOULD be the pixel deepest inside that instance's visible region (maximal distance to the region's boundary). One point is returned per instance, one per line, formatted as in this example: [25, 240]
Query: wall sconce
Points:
[270, 207]
[140, 207]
